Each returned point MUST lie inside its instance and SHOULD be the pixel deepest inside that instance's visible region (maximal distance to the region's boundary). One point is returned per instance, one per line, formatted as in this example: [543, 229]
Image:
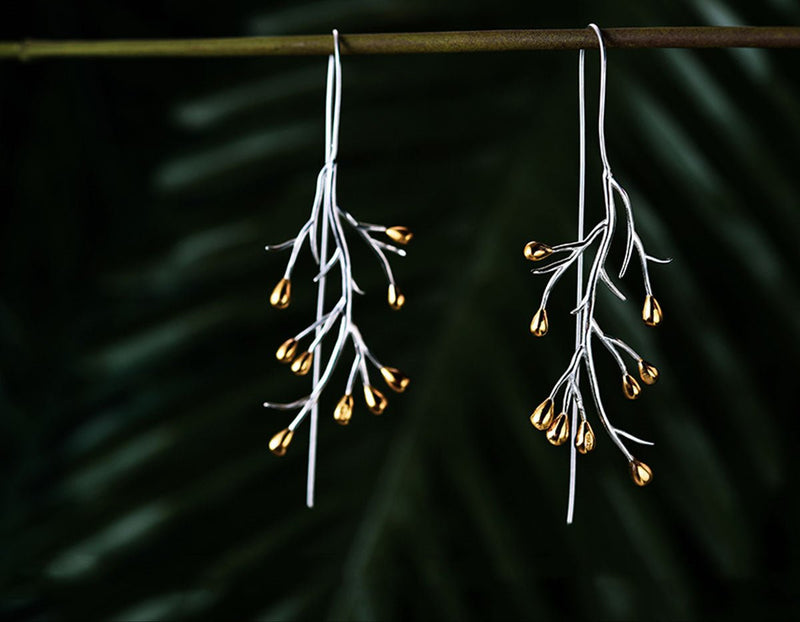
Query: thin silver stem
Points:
[579, 284]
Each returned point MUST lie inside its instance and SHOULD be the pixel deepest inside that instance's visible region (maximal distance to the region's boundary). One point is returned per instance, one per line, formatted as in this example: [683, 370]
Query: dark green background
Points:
[137, 343]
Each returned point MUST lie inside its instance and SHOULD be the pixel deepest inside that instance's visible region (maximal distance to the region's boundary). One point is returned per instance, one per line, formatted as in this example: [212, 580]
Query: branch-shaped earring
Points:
[329, 220]
[576, 428]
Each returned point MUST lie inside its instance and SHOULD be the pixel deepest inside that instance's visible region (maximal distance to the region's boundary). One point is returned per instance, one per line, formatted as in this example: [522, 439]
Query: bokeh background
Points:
[137, 344]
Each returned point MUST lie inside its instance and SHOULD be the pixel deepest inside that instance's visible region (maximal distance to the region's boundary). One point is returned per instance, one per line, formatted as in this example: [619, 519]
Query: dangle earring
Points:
[326, 225]
[575, 427]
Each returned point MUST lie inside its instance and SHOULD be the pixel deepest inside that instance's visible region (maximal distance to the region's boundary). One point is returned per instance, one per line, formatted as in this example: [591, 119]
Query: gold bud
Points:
[395, 298]
[302, 363]
[375, 400]
[401, 235]
[279, 443]
[584, 438]
[396, 379]
[640, 472]
[539, 323]
[281, 296]
[286, 351]
[558, 432]
[647, 372]
[536, 251]
[651, 311]
[630, 387]
[344, 410]
[542, 417]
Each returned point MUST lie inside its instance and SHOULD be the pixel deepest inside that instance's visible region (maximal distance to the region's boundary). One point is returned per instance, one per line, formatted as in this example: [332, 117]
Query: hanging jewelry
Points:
[575, 427]
[326, 225]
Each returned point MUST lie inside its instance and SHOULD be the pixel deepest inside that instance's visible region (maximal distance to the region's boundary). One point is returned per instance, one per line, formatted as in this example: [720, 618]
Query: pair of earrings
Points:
[328, 222]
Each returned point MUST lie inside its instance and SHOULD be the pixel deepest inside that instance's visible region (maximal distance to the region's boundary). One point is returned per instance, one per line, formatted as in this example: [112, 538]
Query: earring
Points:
[325, 227]
[575, 427]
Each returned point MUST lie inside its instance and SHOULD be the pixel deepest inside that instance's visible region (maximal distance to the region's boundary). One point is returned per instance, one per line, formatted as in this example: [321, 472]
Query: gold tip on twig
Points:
[302, 364]
[651, 311]
[281, 295]
[640, 472]
[401, 235]
[539, 324]
[376, 402]
[279, 443]
[542, 416]
[584, 438]
[286, 351]
[395, 379]
[395, 297]
[344, 410]
[536, 251]
[558, 432]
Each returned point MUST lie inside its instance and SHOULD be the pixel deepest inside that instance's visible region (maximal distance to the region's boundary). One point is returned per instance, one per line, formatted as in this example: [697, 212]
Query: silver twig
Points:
[559, 428]
[327, 224]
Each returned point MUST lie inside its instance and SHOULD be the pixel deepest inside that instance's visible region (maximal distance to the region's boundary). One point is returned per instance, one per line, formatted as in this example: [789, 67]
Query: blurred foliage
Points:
[137, 344]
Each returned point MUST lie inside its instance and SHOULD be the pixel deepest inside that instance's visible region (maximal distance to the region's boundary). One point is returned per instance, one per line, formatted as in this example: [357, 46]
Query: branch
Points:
[415, 42]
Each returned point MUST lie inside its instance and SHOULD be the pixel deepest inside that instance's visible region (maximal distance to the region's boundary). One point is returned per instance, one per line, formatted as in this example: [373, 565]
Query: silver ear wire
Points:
[328, 223]
[557, 426]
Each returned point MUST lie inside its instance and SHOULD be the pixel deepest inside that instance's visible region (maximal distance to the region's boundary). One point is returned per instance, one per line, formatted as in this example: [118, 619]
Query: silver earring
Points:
[571, 424]
[326, 227]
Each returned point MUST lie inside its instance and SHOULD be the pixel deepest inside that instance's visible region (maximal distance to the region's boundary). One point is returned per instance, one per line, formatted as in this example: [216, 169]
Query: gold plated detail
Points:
[344, 410]
[542, 416]
[401, 235]
[536, 251]
[539, 323]
[558, 432]
[396, 379]
[281, 295]
[630, 387]
[647, 372]
[395, 298]
[286, 351]
[640, 472]
[279, 443]
[302, 364]
[651, 311]
[376, 402]
[584, 438]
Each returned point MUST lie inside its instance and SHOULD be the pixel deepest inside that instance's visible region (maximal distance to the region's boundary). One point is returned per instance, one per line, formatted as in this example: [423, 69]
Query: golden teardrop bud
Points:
[286, 351]
[395, 298]
[539, 323]
[584, 438]
[542, 417]
[647, 372]
[344, 410]
[651, 311]
[401, 235]
[281, 295]
[375, 400]
[630, 387]
[279, 443]
[396, 379]
[558, 432]
[536, 251]
[640, 472]
[302, 363]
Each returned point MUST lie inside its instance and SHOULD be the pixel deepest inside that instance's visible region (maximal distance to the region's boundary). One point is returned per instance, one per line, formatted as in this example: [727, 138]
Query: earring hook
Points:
[601, 114]
[333, 101]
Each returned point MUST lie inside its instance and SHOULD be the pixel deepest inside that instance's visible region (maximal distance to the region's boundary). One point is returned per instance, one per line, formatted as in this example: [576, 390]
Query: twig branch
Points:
[415, 42]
